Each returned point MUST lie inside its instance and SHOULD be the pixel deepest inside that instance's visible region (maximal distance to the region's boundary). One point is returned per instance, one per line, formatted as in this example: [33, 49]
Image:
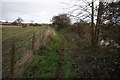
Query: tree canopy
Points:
[62, 20]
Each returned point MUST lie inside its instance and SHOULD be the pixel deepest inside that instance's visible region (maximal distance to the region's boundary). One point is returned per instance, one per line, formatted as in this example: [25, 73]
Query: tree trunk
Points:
[97, 28]
[92, 24]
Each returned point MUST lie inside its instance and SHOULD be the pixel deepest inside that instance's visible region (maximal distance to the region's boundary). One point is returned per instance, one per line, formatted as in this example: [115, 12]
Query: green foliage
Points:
[67, 71]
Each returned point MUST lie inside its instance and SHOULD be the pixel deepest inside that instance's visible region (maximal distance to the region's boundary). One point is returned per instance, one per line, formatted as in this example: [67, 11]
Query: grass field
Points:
[22, 38]
[9, 26]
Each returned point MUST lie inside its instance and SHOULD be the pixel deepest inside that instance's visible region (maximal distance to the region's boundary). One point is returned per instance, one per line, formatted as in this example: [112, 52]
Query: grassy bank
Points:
[44, 63]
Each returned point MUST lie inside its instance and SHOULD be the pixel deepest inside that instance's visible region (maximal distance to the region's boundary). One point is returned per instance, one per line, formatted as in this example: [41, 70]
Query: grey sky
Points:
[40, 11]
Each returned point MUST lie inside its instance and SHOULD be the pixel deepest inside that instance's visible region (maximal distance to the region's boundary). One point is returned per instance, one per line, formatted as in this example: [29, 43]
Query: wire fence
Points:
[19, 51]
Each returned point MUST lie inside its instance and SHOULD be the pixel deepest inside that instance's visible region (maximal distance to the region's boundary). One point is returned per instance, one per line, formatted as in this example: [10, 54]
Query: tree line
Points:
[101, 18]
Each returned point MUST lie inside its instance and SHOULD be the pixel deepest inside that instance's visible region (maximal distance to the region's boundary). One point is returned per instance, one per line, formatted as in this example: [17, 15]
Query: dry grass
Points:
[9, 26]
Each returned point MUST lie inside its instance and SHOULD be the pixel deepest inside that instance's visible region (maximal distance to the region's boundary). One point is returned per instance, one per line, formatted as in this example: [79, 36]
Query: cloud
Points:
[40, 11]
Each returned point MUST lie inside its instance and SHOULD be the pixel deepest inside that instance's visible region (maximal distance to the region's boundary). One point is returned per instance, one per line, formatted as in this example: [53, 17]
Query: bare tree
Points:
[89, 11]
[31, 21]
[19, 21]
[111, 20]
[31, 24]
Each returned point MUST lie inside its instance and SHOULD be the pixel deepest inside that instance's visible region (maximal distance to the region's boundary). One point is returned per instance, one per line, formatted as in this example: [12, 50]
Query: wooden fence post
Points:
[12, 60]
[41, 36]
[33, 43]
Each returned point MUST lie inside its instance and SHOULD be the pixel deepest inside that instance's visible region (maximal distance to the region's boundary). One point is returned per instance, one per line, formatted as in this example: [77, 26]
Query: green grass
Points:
[45, 61]
[18, 33]
[22, 38]
[80, 59]
[45, 65]
[67, 71]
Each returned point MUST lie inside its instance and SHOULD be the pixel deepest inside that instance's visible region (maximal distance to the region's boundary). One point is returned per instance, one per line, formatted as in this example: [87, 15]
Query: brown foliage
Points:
[62, 20]
[83, 30]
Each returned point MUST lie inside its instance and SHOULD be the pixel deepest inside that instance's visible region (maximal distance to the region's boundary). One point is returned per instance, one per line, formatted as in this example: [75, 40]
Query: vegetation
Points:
[22, 37]
[62, 20]
[89, 62]
[45, 61]
[91, 49]
[18, 21]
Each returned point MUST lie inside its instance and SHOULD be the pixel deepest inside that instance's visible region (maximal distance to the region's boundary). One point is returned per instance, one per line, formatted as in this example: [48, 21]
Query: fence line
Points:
[33, 43]
[17, 67]
[12, 60]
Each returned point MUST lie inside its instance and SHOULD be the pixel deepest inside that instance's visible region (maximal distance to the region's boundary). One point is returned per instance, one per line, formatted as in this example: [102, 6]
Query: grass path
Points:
[45, 61]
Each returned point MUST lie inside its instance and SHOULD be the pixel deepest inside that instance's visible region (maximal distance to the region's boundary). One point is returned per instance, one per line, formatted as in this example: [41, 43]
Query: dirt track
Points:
[59, 73]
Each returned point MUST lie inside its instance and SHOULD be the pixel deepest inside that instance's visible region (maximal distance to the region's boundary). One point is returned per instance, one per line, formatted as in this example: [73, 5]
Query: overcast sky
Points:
[40, 11]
